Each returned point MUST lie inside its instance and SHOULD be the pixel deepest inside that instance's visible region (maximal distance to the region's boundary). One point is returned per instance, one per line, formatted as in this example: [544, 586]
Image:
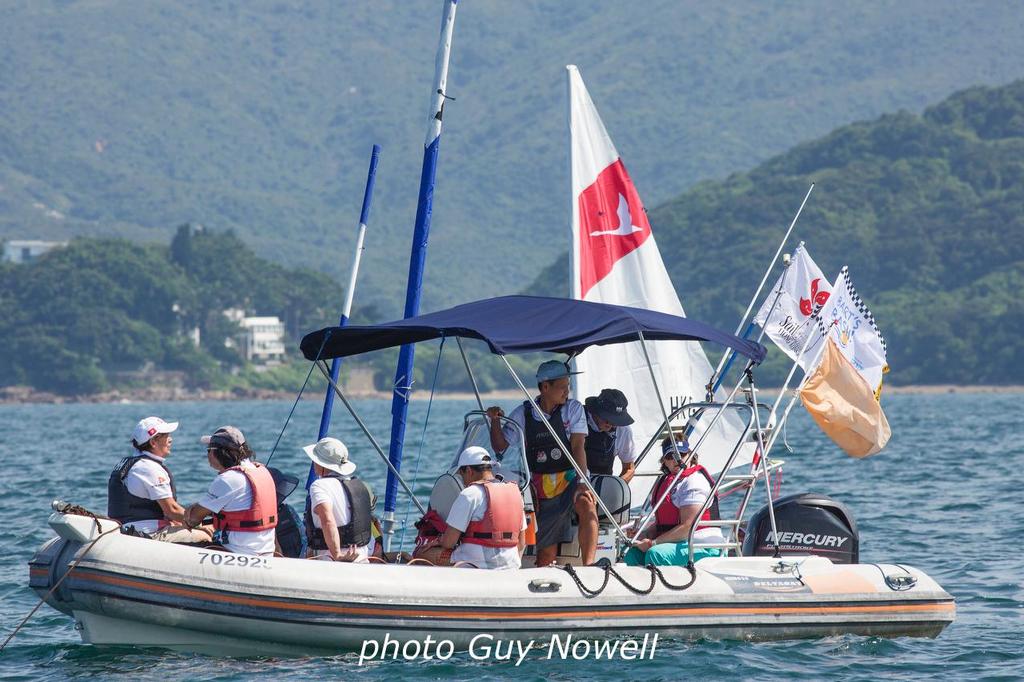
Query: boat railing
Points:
[480, 417]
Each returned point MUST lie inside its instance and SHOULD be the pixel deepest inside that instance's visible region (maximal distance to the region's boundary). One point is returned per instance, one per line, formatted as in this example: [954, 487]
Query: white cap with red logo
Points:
[151, 426]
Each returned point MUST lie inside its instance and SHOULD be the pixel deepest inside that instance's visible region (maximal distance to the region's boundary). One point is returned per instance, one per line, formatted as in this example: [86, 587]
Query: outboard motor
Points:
[808, 523]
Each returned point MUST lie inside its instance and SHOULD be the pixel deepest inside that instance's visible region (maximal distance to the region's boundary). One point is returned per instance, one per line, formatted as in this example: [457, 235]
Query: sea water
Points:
[946, 496]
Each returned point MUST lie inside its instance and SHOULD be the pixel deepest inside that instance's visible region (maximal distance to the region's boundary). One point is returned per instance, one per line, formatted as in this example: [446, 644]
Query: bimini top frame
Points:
[528, 324]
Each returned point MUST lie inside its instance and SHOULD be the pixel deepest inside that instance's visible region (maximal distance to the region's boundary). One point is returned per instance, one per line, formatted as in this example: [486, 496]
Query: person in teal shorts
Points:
[664, 543]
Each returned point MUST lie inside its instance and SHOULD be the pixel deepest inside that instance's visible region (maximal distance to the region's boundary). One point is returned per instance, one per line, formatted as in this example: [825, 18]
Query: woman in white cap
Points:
[140, 491]
[339, 507]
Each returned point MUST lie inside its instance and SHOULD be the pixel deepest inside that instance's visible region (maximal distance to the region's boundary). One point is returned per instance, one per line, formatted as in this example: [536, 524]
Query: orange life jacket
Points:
[262, 513]
[667, 515]
[503, 520]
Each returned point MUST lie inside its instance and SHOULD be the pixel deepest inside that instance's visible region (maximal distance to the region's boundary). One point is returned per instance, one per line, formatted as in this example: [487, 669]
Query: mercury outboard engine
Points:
[808, 523]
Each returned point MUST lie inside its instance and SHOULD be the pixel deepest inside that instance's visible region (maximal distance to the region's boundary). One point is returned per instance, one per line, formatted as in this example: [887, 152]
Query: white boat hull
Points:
[127, 590]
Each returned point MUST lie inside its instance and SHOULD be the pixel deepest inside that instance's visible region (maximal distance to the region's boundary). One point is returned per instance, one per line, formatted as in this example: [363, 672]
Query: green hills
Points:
[928, 212]
[128, 119]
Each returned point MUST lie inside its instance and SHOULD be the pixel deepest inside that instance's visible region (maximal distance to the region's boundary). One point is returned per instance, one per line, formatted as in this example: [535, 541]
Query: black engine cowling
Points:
[808, 523]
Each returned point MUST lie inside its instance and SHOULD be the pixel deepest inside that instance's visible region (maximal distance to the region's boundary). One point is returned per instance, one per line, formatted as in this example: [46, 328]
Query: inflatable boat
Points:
[129, 590]
[795, 572]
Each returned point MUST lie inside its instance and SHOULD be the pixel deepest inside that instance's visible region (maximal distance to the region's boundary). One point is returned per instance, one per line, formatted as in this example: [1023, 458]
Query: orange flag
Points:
[844, 406]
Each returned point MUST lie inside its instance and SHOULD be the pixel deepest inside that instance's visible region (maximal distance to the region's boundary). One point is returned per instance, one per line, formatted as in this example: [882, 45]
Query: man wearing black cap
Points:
[609, 434]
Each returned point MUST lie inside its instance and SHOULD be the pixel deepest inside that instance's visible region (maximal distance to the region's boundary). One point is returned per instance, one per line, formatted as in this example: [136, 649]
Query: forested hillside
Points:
[928, 212]
[129, 118]
[74, 316]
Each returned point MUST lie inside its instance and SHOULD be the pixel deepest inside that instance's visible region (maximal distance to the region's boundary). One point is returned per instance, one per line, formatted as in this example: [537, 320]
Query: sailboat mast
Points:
[346, 310]
[421, 235]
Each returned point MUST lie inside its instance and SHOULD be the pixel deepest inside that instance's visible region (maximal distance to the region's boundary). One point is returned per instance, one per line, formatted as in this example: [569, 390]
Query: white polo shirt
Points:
[148, 480]
[231, 491]
[330, 490]
[471, 505]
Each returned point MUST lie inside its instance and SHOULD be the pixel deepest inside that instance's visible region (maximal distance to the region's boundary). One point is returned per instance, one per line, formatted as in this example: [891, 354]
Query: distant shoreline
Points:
[23, 395]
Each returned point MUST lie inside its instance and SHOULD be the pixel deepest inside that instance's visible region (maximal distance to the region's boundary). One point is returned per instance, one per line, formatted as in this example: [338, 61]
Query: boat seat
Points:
[446, 488]
[615, 494]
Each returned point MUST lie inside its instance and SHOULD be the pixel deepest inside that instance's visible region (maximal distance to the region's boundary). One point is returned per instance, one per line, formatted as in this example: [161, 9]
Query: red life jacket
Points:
[667, 515]
[503, 520]
[262, 513]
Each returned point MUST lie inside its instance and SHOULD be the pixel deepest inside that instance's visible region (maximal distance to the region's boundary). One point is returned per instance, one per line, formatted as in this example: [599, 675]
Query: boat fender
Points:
[262, 513]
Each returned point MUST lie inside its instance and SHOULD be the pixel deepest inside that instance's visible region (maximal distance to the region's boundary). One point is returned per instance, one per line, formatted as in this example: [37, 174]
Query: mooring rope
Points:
[66, 509]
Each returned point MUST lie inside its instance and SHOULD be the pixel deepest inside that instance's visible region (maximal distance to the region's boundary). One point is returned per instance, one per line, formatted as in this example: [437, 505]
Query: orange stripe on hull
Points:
[937, 608]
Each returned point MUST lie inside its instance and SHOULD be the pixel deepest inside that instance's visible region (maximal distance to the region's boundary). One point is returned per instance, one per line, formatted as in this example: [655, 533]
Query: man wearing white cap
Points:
[140, 490]
[339, 507]
[487, 516]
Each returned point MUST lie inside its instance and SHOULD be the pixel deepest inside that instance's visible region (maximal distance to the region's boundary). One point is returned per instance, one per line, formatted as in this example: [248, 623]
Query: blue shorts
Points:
[669, 554]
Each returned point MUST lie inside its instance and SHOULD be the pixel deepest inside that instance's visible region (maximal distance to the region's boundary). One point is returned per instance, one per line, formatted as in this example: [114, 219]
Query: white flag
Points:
[847, 321]
[616, 260]
[785, 315]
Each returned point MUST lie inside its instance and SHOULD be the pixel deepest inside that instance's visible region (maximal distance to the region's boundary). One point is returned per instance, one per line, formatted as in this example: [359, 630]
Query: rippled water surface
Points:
[945, 496]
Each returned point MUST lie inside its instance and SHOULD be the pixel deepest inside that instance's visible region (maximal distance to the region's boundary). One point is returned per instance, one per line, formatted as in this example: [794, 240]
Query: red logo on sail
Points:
[612, 224]
[817, 299]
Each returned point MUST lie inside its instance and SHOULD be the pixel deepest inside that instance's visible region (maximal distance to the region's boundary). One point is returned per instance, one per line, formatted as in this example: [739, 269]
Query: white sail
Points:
[616, 260]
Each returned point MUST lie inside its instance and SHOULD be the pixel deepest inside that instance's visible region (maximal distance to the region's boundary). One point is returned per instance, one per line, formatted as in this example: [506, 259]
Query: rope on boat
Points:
[298, 397]
[629, 587]
[423, 437]
[587, 592]
[78, 511]
[609, 572]
[678, 588]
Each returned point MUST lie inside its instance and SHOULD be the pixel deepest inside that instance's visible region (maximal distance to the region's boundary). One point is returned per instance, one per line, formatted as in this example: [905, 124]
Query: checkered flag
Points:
[846, 319]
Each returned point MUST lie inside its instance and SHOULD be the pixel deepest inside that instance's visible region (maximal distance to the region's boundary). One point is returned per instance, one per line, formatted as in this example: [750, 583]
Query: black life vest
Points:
[600, 447]
[357, 530]
[126, 507]
[543, 454]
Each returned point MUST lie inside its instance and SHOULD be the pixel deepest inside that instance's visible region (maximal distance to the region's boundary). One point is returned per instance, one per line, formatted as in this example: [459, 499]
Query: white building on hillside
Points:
[27, 250]
[262, 338]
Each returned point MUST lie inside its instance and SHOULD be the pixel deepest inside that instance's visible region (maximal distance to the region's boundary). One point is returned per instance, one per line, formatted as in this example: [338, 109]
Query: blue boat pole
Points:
[346, 311]
[421, 235]
[728, 363]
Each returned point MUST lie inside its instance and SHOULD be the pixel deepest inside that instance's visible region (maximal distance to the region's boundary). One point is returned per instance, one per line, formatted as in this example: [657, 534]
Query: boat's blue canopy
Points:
[524, 324]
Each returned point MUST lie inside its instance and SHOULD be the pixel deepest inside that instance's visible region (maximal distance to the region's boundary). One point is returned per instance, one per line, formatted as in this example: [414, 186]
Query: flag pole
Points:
[715, 381]
[786, 262]
[421, 234]
[346, 309]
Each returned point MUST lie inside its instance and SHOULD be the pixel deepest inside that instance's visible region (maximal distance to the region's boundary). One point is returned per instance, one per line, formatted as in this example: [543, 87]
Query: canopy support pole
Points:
[325, 370]
[718, 415]
[764, 465]
[657, 392]
[584, 478]
[469, 371]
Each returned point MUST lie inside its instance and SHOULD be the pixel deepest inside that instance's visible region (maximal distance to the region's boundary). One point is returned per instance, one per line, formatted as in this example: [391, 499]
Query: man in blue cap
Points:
[556, 485]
